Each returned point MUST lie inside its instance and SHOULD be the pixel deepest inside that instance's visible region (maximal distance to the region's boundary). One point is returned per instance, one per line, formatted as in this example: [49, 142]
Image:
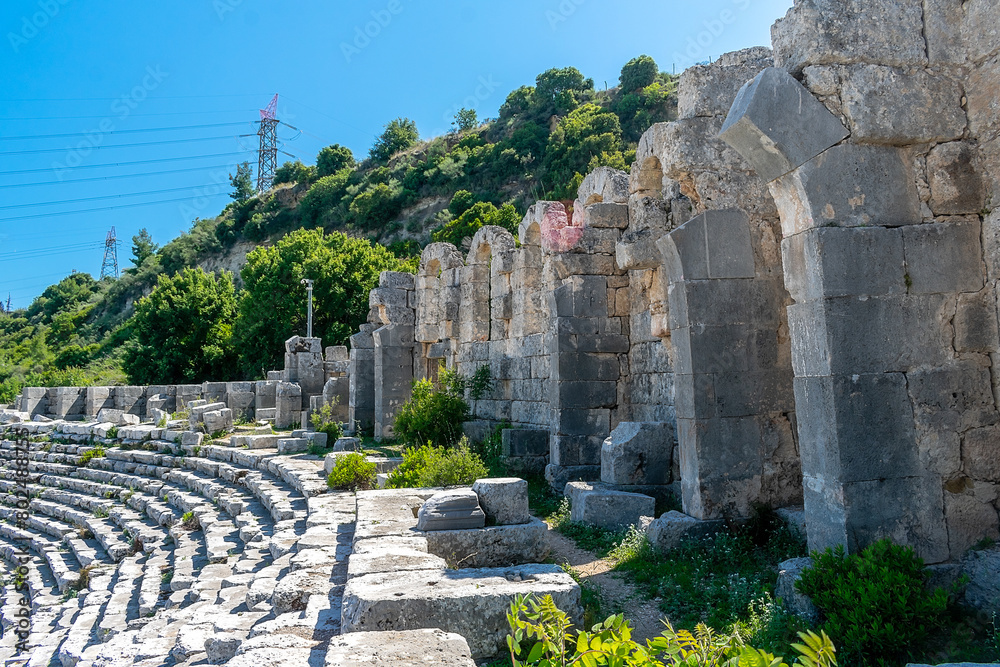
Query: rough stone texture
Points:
[638, 453]
[451, 510]
[789, 572]
[777, 120]
[668, 531]
[503, 499]
[411, 648]
[983, 570]
[494, 546]
[471, 603]
[599, 505]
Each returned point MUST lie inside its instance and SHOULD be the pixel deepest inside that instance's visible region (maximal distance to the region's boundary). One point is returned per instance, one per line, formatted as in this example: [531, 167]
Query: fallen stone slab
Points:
[472, 603]
[599, 505]
[410, 648]
[451, 510]
[789, 572]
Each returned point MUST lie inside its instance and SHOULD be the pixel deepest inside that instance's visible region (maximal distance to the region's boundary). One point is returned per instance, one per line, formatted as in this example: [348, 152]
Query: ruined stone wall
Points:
[881, 166]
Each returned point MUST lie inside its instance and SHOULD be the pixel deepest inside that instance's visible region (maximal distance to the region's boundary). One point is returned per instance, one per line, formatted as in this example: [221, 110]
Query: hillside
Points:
[401, 196]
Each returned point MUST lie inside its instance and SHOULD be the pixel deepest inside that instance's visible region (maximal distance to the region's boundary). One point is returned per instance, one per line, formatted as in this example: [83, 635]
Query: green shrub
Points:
[541, 634]
[434, 414]
[438, 466]
[875, 603]
[352, 472]
[323, 422]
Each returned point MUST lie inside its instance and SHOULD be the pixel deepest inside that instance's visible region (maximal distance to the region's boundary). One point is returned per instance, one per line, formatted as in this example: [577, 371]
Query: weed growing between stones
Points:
[323, 422]
[190, 522]
[352, 473]
[85, 458]
[438, 466]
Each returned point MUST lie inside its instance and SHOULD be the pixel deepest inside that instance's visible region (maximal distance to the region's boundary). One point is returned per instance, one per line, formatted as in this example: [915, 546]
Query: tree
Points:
[332, 159]
[638, 73]
[375, 206]
[399, 135]
[66, 295]
[479, 215]
[272, 306]
[587, 132]
[466, 119]
[323, 197]
[242, 183]
[183, 331]
[561, 90]
[142, 247]
[461, 202]
[294, 172]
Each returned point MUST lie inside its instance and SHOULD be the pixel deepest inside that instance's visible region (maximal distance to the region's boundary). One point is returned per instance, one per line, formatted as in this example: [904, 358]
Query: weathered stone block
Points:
[503, 499]
[983, 569]
[886, 105]
[713, 245]
[789, 572]
[604, 185]
[451, 510]
[848, 185]
[777, 125]
[598, 505]
[522, 442]
[944, 257]
[957, 187]
[472, 603]
[411, 648]
[819, 32]
[668, 531]
[708, 90]
[638, 453]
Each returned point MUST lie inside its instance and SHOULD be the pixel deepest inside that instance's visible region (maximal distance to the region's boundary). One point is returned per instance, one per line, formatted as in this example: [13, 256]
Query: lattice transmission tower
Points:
[109, 267]
[268, 133]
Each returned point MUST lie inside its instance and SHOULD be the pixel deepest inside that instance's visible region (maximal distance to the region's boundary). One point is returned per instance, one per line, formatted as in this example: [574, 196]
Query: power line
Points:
[124, 164]
[135, 115]
[92, 210]
[148, 143]
[28, 254]
[117, 176]
[105, 99]
[12, 253]
[151, 129]
[83, 199]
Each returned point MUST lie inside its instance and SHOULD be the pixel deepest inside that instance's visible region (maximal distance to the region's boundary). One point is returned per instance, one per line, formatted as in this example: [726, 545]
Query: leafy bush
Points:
[399, 135]
[323, 422]
[332, 159]
[352, 472]
[541, 634]
[875, 603]
[434, 414]
[437, 466]
[638, 73]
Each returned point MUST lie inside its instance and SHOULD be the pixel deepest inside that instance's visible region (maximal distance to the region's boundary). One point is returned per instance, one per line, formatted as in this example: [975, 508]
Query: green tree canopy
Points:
[461, 202]
[466, 119]
[585, 133]
[142, 247]
[242, 183]
[183, 331]
[399, 135]
[323, 197]
[332, 159]
[272, 307]
[294, 172]
[68, 294]
[638, 73]
[479, 215]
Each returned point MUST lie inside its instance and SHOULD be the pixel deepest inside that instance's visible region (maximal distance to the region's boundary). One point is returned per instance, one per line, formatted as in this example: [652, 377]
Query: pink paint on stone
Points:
[558, 233]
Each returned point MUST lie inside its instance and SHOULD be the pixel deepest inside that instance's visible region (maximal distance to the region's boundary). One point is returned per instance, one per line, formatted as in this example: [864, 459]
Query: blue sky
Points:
[143, 105]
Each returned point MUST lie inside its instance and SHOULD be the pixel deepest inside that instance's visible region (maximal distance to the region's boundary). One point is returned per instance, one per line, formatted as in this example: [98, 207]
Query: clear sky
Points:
[99, 99]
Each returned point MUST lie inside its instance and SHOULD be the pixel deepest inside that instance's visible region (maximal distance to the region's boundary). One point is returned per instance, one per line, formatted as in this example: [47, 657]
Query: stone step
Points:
[600, 505]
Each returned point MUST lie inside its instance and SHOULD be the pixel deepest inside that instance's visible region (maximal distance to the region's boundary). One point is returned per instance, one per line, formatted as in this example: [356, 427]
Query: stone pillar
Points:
[361, 396]
[873, 328]
[288, 404]
[392, 304]
[393, 374]
[337, 390]
[96, 399]
[34, 401]
[733, 375]
[304, 364]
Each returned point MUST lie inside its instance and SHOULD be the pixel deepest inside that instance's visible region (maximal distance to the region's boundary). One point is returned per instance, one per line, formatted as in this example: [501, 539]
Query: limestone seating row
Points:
[64, 566]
